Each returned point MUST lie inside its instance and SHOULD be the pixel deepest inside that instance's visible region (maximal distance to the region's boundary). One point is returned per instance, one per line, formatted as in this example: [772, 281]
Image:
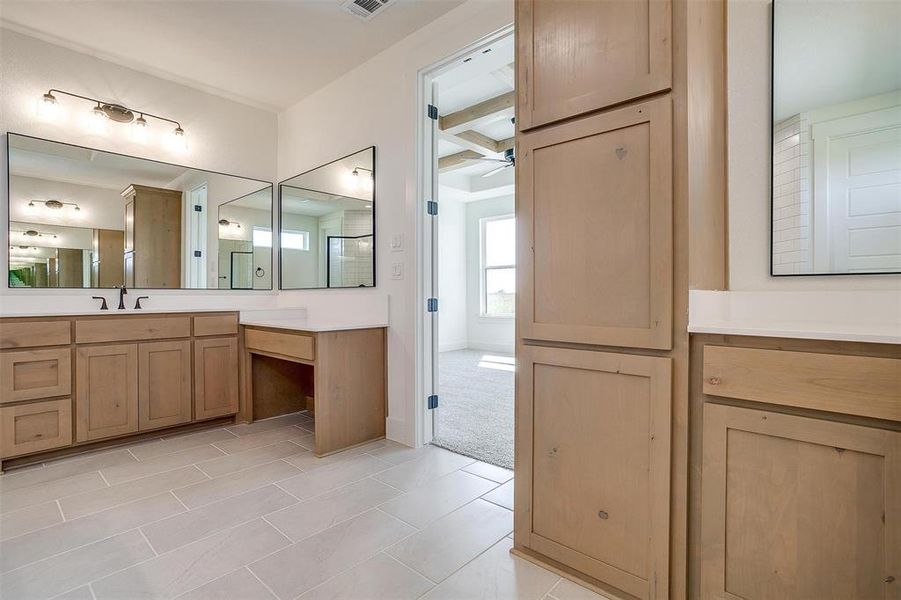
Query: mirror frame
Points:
[772, 155]
[374, 233]
[161, 162]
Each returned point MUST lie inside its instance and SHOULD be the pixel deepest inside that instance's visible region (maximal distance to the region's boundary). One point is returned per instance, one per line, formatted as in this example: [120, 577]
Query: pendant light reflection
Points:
[360, 178]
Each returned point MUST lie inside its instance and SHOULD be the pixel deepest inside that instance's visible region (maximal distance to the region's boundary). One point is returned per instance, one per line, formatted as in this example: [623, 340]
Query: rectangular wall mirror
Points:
[836, 176]
[327, 236]
[84, 218]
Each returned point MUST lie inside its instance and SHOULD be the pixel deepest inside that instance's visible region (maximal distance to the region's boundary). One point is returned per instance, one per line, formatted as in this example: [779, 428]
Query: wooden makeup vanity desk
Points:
[337, 371]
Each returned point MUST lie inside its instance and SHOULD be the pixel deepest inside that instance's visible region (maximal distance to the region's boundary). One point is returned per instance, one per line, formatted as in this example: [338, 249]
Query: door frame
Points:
[426, 244]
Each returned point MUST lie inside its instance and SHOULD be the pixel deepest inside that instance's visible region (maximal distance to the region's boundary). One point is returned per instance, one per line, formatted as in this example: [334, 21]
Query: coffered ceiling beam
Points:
[488, 111]
[452, 162]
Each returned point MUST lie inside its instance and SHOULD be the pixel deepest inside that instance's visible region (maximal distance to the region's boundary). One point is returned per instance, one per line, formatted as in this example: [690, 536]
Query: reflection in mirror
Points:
[836, 188]
[85, 218]
[327, 236]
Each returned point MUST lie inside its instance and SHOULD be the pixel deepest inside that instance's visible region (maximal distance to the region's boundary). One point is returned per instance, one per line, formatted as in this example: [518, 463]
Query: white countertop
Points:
[864, 316]
[298, 319]
[113, 312]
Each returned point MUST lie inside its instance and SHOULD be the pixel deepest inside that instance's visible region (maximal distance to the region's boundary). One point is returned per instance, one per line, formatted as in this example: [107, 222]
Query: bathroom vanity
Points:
[77, 382]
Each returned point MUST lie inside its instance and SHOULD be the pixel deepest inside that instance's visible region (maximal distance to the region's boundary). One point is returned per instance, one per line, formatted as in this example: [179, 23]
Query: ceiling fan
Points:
[508, 161]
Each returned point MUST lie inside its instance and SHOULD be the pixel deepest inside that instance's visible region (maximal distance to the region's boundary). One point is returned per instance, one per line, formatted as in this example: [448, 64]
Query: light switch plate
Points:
[397, 270]
[397, 242]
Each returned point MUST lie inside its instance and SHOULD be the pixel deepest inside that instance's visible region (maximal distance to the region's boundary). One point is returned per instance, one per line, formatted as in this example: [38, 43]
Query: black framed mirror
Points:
[327, 225]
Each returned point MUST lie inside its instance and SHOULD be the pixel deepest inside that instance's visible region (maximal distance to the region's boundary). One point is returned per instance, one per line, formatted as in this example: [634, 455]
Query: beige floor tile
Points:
[191, 566]
[220, 488]
[82, 593]
[28, 519]
[568, 590]
[310, 462]
[18, 498]
[502, 496]
[249, 458]
[159, 464]
[188, 527]
[75, 568]
[421, 506]
[178, 443]
[312, 516]
[415, 473]
[396, 453]
[319, 481]
[492, 472]
[496, 575]
[237, 585]
[43, 543]
[264, 438]
[298, 568]
[379, 577]
[64, 468]
[452, 541]
[86, 503]
[268, 424]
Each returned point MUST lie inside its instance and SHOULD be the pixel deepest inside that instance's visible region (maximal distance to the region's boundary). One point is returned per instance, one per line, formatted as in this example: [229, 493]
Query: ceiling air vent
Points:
[365, 9]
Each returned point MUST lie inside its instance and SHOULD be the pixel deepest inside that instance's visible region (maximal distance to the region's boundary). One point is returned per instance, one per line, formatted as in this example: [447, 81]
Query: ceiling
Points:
[475, 124]
[267, 53]
[831, 52]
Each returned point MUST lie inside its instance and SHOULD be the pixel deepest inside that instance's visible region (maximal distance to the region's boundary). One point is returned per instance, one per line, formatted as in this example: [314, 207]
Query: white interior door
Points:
[858, 194]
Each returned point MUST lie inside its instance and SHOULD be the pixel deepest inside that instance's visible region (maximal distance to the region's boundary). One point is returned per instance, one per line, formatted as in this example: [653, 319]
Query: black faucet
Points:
[122, 292]
[103, 305]
[138, 302]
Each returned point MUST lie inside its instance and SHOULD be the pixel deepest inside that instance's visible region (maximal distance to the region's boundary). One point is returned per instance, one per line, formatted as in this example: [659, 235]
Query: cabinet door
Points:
[595, 209]
[164, 384]
[575, 56]
[795, 507]
[595, 428]
[215, 377]
[106, 386]
[27, 428]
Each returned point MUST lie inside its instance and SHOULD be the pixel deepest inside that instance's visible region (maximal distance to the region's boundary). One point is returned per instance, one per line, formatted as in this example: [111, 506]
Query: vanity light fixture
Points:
[102, 112]
[55, 205]
[227, 223]
[30, 233]
[364, 183]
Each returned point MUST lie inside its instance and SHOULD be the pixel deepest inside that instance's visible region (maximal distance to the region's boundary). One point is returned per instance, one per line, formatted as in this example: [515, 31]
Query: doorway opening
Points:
[470, 252]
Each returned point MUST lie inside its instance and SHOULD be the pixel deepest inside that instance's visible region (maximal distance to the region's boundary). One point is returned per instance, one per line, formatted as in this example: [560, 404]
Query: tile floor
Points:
[247, 512]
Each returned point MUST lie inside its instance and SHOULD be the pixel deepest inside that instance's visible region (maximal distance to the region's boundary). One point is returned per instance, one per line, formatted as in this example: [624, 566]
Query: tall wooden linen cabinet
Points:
[602, 183]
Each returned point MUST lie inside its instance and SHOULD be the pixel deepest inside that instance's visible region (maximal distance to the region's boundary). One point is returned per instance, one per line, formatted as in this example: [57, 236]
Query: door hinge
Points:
[432, 112]
[198, 208]
[432, 208]
[433, 401]
[431, 305]
[198, 254]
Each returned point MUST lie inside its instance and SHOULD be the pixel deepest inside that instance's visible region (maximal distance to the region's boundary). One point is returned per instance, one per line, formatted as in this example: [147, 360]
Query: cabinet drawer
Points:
[856, 385]
[287, 344]
[28, 428]
[216, 325]
[28, 334]
[30, 374]
[123, 330]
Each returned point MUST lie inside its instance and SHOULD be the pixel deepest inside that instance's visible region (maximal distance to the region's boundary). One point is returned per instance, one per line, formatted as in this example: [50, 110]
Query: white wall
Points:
[452, 325]
[494, 334]
[376, 104]
[749, 126]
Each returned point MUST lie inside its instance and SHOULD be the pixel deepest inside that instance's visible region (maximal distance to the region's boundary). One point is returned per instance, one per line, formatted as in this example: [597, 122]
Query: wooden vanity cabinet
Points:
[164, 384]
[106, 397]
[215, 377]
[796, 507]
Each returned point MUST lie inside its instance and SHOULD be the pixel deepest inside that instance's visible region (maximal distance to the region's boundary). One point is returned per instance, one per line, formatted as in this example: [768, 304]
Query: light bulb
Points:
[140, 131]
[48, 108]
[178, 140]
[97, 121]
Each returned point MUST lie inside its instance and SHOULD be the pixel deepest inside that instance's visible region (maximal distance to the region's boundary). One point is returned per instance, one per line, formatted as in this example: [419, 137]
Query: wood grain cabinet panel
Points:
[574, 56]
[795, 507]
[216, 325]
[595, 428]
[164, 384]
[595, 209]
[281, 342]
[106, 398]
[215, 377]
[29, 334]
[27, 428]
[30, 374]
